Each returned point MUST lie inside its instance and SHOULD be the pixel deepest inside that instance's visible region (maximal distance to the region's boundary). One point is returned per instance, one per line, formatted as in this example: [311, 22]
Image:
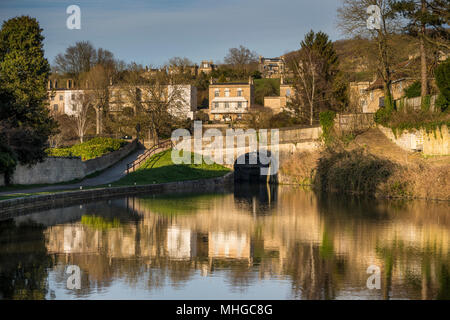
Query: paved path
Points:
[110, 175]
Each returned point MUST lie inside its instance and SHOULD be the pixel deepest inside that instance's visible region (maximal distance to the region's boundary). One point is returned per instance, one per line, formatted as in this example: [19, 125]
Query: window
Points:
[239, 105]
[239, 93]
[74, 107]
[55, 107]
[288, 92]
[216, 93]
[227, 92]
[216, 105]
[381, 102]
[72, 96]
[52, 98]
[227, 105]
[61, 98]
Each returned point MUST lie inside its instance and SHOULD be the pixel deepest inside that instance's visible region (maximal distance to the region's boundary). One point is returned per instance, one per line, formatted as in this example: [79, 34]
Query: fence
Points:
[406, 104]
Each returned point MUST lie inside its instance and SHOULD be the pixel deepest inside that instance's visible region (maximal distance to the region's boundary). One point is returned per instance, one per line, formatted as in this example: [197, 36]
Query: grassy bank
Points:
[370, 166]
[160, 169]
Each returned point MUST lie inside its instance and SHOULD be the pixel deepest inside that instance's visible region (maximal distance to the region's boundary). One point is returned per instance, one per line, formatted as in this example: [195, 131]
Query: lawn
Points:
[160, 169]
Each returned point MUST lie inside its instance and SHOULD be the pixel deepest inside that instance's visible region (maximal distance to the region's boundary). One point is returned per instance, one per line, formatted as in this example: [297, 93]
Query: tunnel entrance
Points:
[249, 168]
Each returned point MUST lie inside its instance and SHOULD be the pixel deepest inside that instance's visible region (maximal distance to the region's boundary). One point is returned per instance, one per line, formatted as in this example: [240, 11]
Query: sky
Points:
[150, 32]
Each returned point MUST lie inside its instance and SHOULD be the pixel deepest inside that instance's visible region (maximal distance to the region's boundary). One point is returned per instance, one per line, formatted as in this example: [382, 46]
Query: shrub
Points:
[414, 90]
[352, 172]
[91, 149]
[442, 74]
[326, 120]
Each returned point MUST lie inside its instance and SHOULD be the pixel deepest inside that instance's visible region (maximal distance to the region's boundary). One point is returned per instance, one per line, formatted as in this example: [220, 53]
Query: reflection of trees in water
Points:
[259, 199]
[320, 245]
[425, 270]
[23, 261]
[314, 273]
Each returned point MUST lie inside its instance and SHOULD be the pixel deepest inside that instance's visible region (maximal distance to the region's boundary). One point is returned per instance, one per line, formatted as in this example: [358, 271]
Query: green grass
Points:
[160, 169]
[91, 149]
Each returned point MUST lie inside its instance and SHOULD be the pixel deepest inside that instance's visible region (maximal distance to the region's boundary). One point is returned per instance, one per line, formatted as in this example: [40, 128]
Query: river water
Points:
[253, 242]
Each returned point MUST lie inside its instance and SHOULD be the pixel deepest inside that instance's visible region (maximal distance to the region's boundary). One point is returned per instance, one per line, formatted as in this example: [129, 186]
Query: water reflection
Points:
[255, 242]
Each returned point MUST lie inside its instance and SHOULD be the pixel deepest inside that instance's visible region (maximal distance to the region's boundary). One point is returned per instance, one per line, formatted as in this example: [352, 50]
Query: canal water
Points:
[252, 242]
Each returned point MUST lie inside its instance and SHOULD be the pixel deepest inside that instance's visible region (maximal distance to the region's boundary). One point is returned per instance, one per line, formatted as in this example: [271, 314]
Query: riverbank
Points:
[370, 165]
[13, 207]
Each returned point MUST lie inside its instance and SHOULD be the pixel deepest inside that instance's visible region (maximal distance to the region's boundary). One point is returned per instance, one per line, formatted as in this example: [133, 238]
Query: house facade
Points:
[368, 97]
[278, 104]
[206, 67]
[230, 101]
[272, 67]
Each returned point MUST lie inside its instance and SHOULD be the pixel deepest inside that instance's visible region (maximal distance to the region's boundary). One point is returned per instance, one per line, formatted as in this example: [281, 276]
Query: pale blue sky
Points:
[152, 31]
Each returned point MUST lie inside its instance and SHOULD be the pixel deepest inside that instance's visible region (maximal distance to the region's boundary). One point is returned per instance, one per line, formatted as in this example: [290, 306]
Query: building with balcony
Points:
[230, 101]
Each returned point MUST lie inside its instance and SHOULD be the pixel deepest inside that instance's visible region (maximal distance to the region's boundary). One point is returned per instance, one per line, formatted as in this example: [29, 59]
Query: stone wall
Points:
[58, 169]
[101, 163]
[354, 122]
[51, 170]
[437, 145]
[429, 143]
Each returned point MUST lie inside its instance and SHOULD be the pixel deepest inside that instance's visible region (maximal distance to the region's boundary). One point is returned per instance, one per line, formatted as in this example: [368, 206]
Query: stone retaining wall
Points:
[433, 143]
[59, 169]
[15, 207]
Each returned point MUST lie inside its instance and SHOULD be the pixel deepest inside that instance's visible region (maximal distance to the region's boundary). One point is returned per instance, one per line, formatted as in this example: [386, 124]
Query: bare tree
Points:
[353, 16]
[241, 58]
[315, 68]
[76, 59]
[98, 81]
[157, 102]
[81, 118]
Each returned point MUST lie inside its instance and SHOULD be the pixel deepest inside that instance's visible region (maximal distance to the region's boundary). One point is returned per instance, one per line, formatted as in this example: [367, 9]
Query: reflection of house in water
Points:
[74, 238]
[181, 243]
[229, 245]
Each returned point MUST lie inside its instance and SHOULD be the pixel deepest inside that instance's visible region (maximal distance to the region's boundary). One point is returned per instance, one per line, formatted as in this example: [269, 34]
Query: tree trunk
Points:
[423, 57]
[98, 116]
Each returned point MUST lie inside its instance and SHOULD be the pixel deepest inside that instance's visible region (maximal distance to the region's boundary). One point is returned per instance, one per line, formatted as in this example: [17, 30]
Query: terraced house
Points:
[230, 101]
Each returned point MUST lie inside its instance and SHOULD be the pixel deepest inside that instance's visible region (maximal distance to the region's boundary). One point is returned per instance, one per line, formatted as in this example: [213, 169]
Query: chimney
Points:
[282, 79]
[211, 81]
[250, 80]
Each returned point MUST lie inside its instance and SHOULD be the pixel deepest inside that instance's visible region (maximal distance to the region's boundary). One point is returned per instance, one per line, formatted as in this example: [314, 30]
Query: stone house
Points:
[230, 101]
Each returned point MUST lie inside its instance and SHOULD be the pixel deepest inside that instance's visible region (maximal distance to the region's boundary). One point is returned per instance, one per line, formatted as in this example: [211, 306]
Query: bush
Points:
[352, 172]
[326, 120]
[91, 149]
[382, 116]
[414, 90]
[443, 82]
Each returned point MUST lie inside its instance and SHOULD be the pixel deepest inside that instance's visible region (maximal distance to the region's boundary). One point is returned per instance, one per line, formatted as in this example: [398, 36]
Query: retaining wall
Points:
[58, 169]
[433, 143]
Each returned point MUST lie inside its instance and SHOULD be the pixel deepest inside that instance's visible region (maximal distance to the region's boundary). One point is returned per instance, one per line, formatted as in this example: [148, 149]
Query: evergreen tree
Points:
[25, 123]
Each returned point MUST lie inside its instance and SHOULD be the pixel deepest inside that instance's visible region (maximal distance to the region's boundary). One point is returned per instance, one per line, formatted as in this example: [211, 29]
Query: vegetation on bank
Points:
[399, 119]
[160, 169]
[91, 149]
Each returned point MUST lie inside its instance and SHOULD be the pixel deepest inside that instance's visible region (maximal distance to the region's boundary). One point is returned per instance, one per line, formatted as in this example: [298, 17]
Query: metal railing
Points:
[159, 147]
